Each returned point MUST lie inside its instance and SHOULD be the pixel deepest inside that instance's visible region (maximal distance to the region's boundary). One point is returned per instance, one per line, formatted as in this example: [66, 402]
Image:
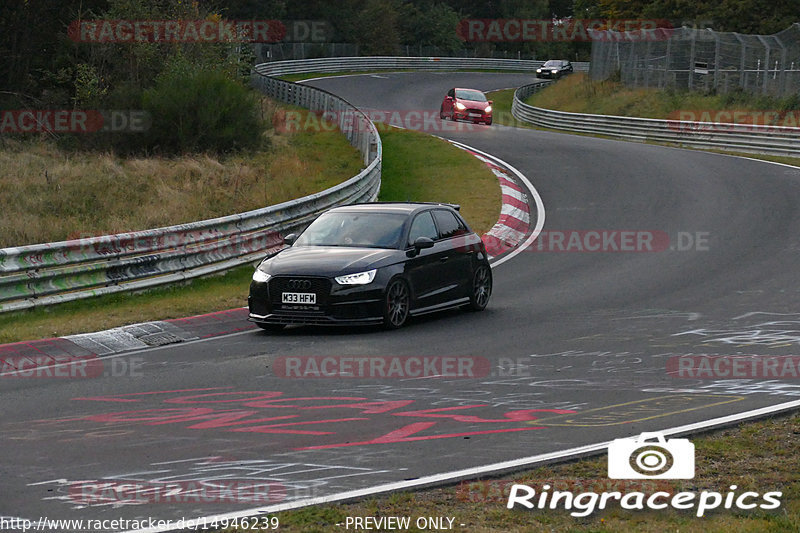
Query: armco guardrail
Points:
[350, 64]
[50, 273]
[708, 135]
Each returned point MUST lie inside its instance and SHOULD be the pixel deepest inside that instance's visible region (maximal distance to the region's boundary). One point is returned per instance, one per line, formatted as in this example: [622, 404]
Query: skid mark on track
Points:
[314, 422]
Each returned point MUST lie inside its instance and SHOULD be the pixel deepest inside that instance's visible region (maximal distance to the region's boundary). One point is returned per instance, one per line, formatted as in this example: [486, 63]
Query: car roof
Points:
[467, 89]
[394, 207]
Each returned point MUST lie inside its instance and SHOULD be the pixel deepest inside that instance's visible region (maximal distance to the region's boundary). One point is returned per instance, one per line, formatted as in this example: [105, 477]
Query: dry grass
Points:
[47, 194]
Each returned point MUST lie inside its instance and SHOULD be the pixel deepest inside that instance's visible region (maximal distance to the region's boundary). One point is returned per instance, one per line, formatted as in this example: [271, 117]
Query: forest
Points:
[44, 68]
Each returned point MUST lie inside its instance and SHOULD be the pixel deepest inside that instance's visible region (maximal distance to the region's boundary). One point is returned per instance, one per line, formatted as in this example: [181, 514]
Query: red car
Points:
[466, 104]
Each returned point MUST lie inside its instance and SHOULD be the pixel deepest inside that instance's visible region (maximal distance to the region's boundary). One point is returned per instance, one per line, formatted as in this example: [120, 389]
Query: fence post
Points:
[742, 64]
[716, 58]
[692, 48]
[667, 57]
[766, 63]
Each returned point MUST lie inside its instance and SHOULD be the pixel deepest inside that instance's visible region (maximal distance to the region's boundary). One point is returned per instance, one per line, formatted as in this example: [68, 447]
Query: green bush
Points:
[200, 110]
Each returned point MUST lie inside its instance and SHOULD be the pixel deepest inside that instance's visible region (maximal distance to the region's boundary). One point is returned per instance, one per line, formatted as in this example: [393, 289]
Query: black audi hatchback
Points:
[376, 263]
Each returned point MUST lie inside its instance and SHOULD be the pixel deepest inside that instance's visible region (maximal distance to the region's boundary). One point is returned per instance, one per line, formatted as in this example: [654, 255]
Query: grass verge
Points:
[48, 194]
[759, 456]
[416, 167]
[579, 94]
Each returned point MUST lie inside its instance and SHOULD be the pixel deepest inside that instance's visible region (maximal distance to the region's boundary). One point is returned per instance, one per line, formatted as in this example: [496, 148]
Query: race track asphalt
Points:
[577, 343]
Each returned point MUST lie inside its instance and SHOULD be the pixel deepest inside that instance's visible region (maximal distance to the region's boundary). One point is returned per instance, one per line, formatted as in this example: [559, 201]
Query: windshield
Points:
[552, 63]
[370, 230]
[475, 96]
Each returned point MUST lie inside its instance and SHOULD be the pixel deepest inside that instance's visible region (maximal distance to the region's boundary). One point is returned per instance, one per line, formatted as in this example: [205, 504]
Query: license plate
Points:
[299, 298]
[474, 114]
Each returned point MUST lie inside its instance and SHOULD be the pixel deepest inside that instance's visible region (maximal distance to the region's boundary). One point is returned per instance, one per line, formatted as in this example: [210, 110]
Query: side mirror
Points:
[423, 242]
[289, 239]
[491, 102]
[448, 98]
[419, 244]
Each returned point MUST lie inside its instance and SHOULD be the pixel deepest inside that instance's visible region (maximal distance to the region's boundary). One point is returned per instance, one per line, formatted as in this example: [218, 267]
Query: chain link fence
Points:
[701, 59]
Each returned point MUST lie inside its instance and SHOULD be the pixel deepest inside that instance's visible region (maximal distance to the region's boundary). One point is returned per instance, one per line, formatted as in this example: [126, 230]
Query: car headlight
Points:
[362, 278]
[460, 106]
[488, 109]
[538, 71]
[554, 71]
[259, 276]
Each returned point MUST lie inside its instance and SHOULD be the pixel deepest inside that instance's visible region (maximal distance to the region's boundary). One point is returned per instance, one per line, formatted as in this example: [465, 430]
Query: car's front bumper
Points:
[335, 304]
[473, 114]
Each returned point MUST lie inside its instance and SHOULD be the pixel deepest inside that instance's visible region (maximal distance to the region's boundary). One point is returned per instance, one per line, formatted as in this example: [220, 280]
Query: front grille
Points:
[280, 284]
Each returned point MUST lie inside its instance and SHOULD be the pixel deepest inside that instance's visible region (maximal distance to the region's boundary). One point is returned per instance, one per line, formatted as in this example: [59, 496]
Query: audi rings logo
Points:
[299, 284]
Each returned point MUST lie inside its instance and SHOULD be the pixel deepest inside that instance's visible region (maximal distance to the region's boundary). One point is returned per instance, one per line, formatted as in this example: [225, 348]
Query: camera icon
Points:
[636, 458]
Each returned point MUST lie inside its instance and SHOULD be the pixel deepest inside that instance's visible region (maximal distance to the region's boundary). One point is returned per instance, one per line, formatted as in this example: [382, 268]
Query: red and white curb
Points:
[19, 358]
[514, 229]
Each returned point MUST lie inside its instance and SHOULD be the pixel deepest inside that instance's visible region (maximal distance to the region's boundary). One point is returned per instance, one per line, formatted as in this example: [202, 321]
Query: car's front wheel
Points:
[396, 304]
[481, 288]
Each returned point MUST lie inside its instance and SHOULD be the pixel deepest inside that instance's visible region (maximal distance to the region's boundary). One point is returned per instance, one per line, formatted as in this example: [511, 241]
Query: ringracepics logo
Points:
[639, 458]
[634, 458]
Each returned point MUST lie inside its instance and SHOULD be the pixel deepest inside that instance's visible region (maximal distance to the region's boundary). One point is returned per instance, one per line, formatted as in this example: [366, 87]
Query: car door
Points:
[424, 269]
[455, 259]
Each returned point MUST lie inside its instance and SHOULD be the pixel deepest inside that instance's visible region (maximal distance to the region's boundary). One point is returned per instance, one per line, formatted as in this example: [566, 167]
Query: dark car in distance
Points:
[376, 263]
[554, 68]
[466, 104]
